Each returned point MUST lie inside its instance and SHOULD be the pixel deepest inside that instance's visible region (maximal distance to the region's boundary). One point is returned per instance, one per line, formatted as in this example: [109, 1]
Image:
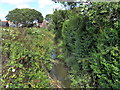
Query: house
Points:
[4, 23]
[36, 23]
[7, 24]
[43, 24]
[11, 24]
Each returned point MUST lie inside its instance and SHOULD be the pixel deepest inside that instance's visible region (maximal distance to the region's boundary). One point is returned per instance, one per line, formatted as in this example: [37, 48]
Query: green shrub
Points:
[58, 18]
[91, 47]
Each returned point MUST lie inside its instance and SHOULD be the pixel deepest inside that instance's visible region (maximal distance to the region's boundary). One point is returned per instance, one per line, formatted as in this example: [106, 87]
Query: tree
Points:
[59, 16]
[25, 15]
[70, 5]
[48, 17]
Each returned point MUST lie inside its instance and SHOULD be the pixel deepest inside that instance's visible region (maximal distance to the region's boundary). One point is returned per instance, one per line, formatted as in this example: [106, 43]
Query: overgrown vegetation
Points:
[58, 18]
[91, 46]
[26, 57]
[87, 39]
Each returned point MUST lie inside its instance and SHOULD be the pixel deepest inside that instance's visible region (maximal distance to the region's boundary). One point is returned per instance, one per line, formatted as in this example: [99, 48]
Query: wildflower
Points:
[4, 29]
[3, 39]
[115, 19]
[7, 86]
[13, 70]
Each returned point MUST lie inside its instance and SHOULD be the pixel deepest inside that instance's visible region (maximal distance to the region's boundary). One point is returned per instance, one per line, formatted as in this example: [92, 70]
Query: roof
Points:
[3, 23]
[44, 21]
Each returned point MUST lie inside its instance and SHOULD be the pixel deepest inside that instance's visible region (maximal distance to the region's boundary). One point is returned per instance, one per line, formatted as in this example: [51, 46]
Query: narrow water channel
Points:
[60, 72]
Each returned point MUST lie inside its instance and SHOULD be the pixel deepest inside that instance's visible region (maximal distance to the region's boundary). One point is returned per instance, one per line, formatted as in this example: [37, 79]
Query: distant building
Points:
[11, 24]
[7, 24]
[43, 24]
[4, 23]
[36, 23]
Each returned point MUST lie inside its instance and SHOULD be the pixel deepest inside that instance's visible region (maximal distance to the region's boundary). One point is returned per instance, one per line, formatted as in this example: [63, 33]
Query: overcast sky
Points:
[44, 6]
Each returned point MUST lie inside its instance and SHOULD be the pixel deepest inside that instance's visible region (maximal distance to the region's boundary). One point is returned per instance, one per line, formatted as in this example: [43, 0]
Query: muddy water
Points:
[59, 72]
